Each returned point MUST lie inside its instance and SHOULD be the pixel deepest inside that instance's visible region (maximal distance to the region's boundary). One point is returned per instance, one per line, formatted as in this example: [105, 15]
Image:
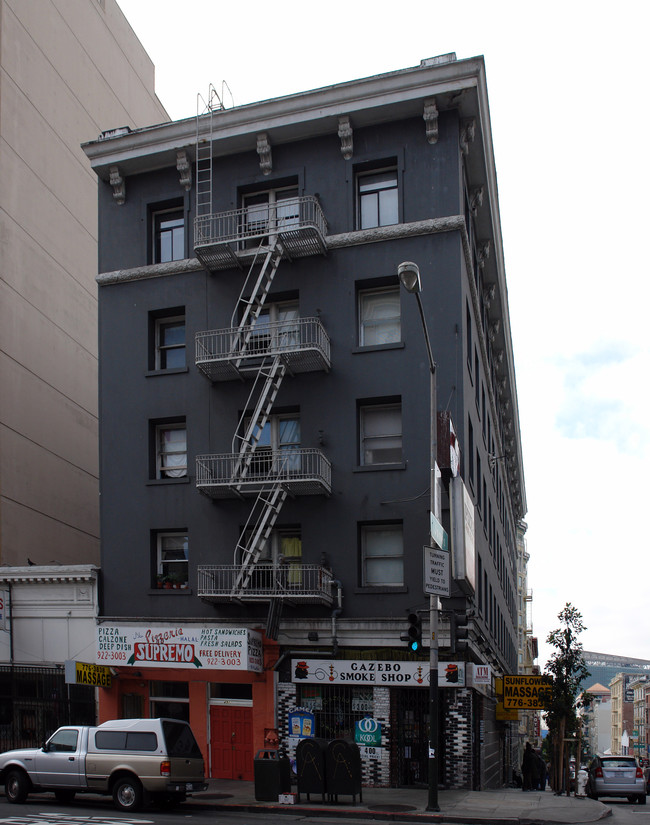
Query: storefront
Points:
[212, 677]
[384, 707]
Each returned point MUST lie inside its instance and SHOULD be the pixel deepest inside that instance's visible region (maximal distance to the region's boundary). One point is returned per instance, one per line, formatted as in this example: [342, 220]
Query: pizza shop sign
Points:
[176, 646]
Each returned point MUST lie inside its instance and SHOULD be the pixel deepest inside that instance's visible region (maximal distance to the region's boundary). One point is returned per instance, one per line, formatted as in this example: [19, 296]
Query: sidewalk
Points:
[508, 805]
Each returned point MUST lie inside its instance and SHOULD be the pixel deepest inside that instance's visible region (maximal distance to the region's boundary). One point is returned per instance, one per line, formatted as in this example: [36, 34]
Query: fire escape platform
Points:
[291, 583]
[237, 352]
[223, 240]
[302, 472]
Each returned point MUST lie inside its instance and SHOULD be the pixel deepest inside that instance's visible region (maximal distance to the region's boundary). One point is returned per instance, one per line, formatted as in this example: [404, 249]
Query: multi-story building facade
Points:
[622, 711]
[67, 70]
[597, 720]
[640, 687]
[265, 423]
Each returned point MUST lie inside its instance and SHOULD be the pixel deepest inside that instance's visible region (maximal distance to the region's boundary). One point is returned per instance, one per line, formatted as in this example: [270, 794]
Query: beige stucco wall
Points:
[69, 69]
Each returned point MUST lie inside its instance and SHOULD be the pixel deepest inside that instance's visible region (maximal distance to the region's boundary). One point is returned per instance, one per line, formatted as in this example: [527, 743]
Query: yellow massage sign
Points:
[527, 692]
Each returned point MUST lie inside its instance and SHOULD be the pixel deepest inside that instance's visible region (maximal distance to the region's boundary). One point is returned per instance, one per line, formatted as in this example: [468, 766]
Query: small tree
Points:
[568, 669]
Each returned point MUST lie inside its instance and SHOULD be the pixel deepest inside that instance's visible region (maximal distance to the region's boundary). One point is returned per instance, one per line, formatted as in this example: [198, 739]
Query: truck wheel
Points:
[64, 795]
[127, 794]
[16, 786]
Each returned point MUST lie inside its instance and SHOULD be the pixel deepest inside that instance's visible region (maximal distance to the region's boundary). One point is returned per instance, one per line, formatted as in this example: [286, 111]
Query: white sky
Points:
[568, 84]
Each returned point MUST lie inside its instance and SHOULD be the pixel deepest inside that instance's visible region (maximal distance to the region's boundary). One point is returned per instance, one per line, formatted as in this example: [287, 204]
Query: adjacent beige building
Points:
[68, 70]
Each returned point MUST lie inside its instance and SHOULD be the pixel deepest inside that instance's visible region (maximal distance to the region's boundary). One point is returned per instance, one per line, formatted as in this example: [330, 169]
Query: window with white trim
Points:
[380, 429]
[283, 550]
[171, 450]
[377, 198]
[170, 342]
[269, 210]
[382, 555]
[172, 559]
[168, 235]
[280, 435]
[379, 316]
[276, 327]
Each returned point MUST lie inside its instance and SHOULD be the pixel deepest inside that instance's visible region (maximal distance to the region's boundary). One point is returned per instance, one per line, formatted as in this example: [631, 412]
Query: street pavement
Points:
[508, 805]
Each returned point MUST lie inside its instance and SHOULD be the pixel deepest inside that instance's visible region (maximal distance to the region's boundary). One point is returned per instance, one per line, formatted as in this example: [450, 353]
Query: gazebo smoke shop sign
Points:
[179, 646]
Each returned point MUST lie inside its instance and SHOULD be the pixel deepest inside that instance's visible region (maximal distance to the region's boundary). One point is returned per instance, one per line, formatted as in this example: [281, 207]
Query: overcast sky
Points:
[568, 87]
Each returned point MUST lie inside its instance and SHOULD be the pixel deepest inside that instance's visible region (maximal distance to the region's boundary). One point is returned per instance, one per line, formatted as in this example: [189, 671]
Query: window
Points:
[379, 317]
[380, 434]
[169, 235]
[63, 741]
[280, 434]
[170, 699]
[283, 548]
[171, 561]
[170, 343]
[382, 555]
[377, 203]
[171, 450]
[276, 328]
[272, 209]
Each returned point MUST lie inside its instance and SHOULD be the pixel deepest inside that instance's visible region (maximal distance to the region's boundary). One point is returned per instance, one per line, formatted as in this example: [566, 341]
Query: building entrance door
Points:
[231, 742]
[409, 710]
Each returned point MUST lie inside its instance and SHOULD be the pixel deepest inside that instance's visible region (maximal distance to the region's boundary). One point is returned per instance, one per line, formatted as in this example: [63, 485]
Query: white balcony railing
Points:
[223, 354]
[299, 223]
[303, 471]
[290, 582]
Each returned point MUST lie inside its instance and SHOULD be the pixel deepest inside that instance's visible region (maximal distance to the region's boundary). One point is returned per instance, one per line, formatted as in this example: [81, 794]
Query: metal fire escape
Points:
[222, 241]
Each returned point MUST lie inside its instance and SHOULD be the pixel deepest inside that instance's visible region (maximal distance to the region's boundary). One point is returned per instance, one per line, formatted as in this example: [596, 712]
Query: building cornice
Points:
[49, 574]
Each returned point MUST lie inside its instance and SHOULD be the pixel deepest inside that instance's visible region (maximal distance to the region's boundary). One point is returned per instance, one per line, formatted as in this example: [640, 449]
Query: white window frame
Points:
[177, 245]
[267, 214]
[370, 537]
[276, 327]
[161, 348]
[369, 435]
[380, 329]
[164, 470]
[377, 197]
[271, 442]
[166, 567]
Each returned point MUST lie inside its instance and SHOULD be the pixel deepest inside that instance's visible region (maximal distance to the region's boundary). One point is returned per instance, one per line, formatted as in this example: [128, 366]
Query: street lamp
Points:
[409, 275]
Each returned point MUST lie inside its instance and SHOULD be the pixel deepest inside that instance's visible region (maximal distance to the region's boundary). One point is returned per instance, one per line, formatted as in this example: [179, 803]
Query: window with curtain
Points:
[379, 317]
[382, 555]
[380, 428]
[171, 454]
[172, 558]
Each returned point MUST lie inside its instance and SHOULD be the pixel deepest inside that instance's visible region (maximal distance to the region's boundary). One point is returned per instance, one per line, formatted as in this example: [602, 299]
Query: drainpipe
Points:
[335, 614]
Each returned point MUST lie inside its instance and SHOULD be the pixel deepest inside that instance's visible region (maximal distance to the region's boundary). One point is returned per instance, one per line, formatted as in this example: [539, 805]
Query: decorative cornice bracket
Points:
[345, 135]
[119, 185]
[184, 168]
[467, 134]
[264, 151]
[430, 117]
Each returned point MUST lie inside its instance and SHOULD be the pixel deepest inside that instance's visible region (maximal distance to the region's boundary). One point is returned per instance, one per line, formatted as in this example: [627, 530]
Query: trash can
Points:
[272, 774]
[343, 769]
[310, 767]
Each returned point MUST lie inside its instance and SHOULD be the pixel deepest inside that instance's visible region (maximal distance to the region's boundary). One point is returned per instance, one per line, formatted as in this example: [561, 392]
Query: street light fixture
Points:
[409, 275]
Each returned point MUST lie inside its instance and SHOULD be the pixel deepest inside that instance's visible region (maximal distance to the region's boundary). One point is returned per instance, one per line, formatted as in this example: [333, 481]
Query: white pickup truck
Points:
[134, 760]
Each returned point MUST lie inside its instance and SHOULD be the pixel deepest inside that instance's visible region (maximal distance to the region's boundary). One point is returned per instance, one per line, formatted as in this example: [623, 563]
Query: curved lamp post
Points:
[409, 275]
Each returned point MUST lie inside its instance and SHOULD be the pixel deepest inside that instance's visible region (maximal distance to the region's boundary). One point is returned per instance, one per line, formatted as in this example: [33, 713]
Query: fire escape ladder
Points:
[271, 374]
[273, 618]
[252, 306]
[251, 542]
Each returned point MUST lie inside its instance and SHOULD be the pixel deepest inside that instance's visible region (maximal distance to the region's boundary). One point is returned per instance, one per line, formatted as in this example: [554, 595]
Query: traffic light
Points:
[459, 627]
[413, 635]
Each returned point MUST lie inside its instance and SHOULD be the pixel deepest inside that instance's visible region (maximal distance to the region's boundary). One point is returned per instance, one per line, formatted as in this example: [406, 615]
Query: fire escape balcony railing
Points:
[221, 238]
[224, 354]
[306, 583]
[302, 471]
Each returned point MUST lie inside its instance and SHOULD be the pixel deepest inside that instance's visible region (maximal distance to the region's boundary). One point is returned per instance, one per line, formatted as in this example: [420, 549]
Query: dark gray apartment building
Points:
[265, 423]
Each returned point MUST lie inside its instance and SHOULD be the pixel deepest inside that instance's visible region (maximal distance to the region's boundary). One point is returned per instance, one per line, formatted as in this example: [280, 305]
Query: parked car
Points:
[132, 759]
[617, 776]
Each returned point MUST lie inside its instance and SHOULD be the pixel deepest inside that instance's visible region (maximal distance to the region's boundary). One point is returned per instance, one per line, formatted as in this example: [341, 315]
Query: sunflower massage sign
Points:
[175, 646]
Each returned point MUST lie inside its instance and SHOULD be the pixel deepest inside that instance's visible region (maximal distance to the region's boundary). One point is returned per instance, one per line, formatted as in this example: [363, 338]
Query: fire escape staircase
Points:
[222, 241]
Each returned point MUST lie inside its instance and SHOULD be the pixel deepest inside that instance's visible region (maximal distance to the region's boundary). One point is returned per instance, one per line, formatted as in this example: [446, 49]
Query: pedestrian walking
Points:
[528, 768]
